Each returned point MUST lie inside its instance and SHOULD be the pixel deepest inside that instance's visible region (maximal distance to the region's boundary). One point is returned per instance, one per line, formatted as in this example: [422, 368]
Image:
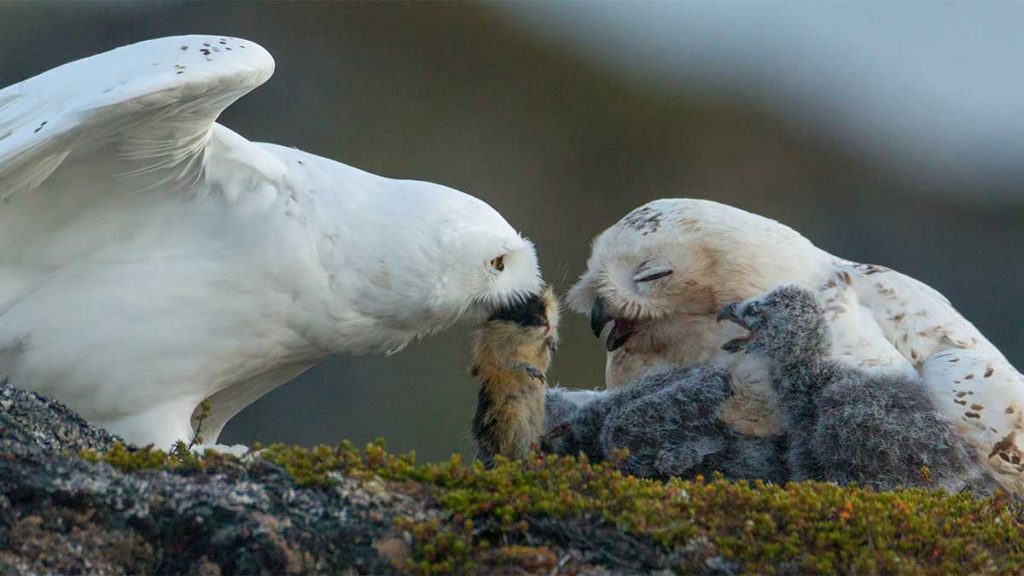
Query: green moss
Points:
[806, 526]
[489, 519]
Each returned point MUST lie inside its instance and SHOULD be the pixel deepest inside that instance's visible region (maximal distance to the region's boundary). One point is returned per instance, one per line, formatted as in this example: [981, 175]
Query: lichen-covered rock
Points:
[61, 513]
[28, 419]
[74, 500]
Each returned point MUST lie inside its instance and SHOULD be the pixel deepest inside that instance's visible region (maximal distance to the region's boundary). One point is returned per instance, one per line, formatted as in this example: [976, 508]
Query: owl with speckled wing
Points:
[656, 280]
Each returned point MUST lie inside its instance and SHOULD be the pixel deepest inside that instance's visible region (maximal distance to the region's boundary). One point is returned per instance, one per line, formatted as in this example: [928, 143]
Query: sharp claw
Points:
[534, 373]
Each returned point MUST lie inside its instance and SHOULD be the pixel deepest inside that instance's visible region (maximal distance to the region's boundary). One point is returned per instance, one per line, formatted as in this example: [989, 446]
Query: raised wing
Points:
[104, 132]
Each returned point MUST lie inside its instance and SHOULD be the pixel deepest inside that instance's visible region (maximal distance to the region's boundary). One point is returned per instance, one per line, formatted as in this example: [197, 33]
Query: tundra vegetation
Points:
[77, 499]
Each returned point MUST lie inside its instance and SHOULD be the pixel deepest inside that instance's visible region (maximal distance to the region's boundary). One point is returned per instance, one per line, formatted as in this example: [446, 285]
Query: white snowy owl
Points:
[656, 280]
[151, 258]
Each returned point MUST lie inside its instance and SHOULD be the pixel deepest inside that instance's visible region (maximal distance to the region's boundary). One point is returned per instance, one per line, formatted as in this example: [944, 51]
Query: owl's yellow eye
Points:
[498, 263]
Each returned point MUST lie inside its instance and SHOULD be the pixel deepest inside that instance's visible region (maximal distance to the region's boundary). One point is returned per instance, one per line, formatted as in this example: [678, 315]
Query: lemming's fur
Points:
[844, 424]
[511, 353]
[669, 424]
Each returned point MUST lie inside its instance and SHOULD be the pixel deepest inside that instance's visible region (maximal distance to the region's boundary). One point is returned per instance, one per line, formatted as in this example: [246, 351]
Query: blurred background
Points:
[886, 133]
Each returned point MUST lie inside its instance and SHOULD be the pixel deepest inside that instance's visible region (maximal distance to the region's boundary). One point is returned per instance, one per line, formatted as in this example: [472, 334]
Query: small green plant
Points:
[441, 548]
[803, 526]
[130, 460]
[204, 412]
[148, 458]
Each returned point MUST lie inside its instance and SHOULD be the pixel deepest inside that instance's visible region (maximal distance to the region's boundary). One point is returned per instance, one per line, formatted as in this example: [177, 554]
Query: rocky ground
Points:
[64, 513]
[73, 499]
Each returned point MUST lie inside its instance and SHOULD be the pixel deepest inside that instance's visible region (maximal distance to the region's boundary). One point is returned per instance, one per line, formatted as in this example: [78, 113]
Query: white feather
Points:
[984, 397]
[150, 258]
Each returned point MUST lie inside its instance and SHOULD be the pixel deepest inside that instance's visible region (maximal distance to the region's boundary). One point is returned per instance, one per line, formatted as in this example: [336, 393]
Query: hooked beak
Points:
[598, 318]
[730, 313]
[621, 329]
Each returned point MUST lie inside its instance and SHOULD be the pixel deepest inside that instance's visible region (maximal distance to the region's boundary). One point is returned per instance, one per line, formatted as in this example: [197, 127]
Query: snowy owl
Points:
[151, 258]
[656, 280]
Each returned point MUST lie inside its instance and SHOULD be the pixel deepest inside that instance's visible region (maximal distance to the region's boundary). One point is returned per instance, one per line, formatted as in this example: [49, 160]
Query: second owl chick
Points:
[844, 424]
[668, 422]
[511, 354]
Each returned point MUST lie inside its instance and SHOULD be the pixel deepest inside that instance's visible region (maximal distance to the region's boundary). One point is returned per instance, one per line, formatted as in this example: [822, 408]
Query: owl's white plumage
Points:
[151, 258]
[704, 255]
[984, 397]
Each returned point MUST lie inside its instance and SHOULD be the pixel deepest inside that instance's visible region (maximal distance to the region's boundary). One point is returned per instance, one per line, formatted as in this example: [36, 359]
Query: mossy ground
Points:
[529, 514]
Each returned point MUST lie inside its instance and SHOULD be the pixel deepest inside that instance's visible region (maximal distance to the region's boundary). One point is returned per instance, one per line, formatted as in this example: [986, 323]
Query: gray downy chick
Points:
[844, 424]
[668, 421]
[573, 420]
[670, 424]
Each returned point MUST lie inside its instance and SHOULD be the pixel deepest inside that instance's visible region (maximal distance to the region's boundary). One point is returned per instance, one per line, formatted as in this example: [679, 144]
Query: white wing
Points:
[857, 337]
[984, 398]
[94, 137]
[888, 320]
[915, 318]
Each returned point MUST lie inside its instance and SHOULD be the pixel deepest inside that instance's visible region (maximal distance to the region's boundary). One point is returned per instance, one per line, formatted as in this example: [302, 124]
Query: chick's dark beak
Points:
[729, 313]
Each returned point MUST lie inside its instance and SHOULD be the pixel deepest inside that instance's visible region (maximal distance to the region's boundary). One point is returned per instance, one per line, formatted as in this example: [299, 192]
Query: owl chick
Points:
[669, 423]
[844, 424]
[573, 420]
[511, 354]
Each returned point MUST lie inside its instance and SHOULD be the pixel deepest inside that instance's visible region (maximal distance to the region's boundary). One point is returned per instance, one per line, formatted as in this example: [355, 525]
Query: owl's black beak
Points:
[527, 312]
[621, 329]
[598, 318]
